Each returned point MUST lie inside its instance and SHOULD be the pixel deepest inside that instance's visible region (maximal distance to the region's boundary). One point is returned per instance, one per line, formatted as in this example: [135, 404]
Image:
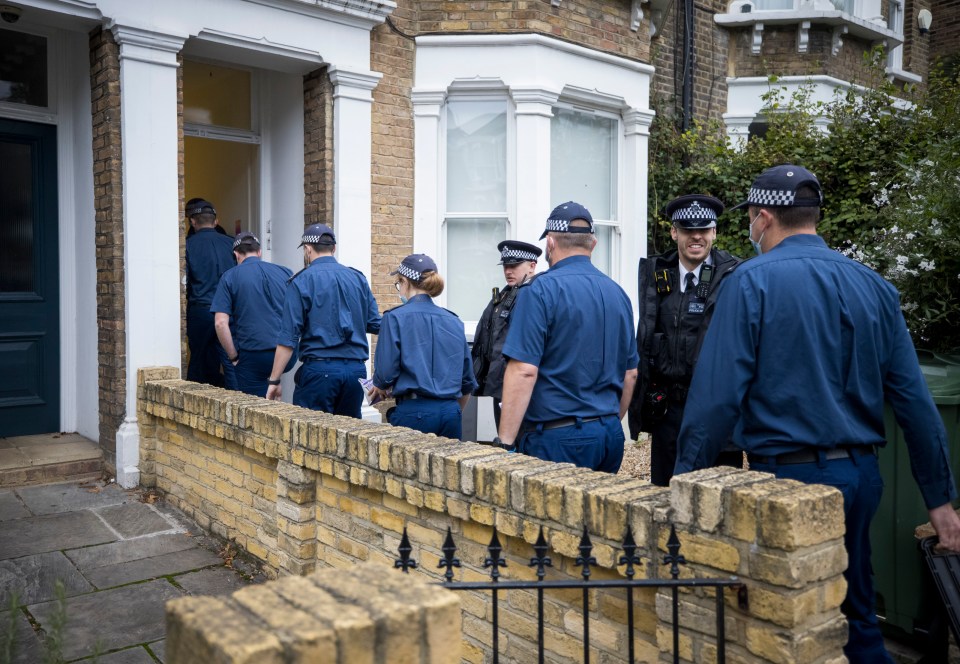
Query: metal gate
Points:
[494, 562]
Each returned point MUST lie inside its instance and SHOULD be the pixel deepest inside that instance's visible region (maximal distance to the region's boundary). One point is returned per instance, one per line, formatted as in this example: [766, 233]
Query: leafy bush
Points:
[890, 170]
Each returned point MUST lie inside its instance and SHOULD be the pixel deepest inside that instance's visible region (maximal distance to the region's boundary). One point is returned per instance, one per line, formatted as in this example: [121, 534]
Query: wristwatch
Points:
[499, 443]
[273, 382]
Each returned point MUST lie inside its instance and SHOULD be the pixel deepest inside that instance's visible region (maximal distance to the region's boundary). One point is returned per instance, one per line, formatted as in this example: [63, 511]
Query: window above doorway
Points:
[24, 77]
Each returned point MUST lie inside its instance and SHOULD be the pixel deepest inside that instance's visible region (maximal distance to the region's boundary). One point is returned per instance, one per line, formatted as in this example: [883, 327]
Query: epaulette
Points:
[392, 309]
[290, 280]
[452, 313]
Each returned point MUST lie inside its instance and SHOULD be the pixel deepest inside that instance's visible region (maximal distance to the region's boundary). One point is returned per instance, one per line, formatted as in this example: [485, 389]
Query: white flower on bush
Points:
[928, 266]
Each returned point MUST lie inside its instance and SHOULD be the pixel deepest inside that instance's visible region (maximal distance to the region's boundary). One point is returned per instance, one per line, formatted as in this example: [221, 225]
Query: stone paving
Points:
[119, 558]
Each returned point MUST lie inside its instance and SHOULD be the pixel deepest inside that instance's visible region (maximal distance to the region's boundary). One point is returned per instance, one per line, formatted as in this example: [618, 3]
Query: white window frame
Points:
[252, 136]
[538, 72]
[482, 90]
[605, 111]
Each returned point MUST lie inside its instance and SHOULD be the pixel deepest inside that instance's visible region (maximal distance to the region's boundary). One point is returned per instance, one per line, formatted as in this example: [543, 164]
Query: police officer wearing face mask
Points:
[677, 294]
[805, 348]
[519, 261]
[328, 309]
[422, 355]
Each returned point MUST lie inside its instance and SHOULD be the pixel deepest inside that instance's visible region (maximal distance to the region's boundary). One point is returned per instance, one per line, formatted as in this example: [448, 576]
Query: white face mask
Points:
[756, 243]
[403, 299]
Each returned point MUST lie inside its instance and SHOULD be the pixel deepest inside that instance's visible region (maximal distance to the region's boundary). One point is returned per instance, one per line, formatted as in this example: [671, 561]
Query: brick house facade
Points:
[428, 126]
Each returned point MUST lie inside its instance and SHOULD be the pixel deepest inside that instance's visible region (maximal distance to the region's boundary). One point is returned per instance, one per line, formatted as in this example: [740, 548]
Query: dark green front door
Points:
[29, 280]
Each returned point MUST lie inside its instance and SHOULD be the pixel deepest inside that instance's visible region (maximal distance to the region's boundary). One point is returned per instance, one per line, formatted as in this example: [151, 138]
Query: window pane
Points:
[477, 156]
[603, 253]
[16, 218]
[583, 161]
[773, 4]
[472, 264]
[23, 68]
[223, 173]
[215, 95]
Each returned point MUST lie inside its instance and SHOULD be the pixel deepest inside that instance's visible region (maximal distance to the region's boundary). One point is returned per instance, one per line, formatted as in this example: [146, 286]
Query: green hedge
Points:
[890, 170]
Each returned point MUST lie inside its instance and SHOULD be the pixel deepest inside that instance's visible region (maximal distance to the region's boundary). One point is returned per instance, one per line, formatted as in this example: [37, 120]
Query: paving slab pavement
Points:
[119, 560]
[33, 578]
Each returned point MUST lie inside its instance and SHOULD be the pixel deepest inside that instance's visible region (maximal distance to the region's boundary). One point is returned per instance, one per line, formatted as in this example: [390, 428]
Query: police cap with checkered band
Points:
[414, 266]
[318, 234]
[777, 187]
[514, 252]
[694, 211]
[563, 214]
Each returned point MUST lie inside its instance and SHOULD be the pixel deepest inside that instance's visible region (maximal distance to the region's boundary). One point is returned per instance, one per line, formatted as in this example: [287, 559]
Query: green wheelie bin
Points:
[906, 598]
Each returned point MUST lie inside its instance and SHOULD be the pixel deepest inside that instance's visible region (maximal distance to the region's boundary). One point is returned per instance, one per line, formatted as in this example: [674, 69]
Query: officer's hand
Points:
[376, 394]
[946, 522]
[274, 392]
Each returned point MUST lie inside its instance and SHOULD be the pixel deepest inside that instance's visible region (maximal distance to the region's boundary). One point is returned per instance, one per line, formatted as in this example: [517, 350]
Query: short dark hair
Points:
[248, 246]
[798, 216]
[322, 247]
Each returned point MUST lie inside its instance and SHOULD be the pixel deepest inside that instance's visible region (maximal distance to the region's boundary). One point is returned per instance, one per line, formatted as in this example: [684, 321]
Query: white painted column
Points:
[352, 174]
[633, 229]
[534, 110]
[352, 165]
[151, 217]
[427, 213]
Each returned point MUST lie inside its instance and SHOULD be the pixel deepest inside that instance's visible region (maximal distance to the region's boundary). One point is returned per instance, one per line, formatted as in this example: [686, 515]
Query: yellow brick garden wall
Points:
[303, 490]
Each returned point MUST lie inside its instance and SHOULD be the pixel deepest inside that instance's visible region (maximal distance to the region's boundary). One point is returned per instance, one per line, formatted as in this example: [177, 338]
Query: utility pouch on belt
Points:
[652, 408]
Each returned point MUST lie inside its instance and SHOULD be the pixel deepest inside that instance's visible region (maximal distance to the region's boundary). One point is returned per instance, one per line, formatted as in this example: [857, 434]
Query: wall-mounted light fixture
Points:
[924, 19]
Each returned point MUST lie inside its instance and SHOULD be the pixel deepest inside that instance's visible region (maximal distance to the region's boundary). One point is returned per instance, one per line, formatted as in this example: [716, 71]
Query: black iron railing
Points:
[494, 562]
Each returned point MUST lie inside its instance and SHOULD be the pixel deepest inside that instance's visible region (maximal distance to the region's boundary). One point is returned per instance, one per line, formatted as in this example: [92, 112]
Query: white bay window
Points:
[509, 126]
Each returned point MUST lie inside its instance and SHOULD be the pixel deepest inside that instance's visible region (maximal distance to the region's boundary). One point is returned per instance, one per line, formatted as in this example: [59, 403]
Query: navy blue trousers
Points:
[597, 445]
[332, 386]
[204, 346]
[858, 479]
[440, 416]
[252, 372]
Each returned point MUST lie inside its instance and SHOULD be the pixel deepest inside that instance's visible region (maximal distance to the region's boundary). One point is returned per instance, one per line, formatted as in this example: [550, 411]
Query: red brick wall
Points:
[108, 205]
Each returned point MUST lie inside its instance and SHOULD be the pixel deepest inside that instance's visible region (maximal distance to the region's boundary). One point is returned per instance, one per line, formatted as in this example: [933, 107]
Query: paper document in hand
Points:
[368, 397]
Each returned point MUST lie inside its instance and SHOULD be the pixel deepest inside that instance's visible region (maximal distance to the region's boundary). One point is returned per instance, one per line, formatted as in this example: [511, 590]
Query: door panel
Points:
[29, 280]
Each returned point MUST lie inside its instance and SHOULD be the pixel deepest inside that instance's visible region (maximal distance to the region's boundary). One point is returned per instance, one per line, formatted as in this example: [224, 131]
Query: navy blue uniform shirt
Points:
[208, 255]
[804, 347]
[329, 309]
[576, 325]
[422, 348]
[252, 295]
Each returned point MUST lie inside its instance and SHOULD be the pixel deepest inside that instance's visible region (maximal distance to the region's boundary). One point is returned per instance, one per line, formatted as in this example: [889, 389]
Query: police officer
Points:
[422, 354]
[573, 355]
[519, 261]
[328, 309]
[804, 348]
[247, 308]
[677, 293]
[208, 255]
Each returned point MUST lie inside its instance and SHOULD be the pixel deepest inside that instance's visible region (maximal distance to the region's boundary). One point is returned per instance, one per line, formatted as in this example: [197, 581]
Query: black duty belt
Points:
[555, 424]
[413, 395]
[812, 455]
